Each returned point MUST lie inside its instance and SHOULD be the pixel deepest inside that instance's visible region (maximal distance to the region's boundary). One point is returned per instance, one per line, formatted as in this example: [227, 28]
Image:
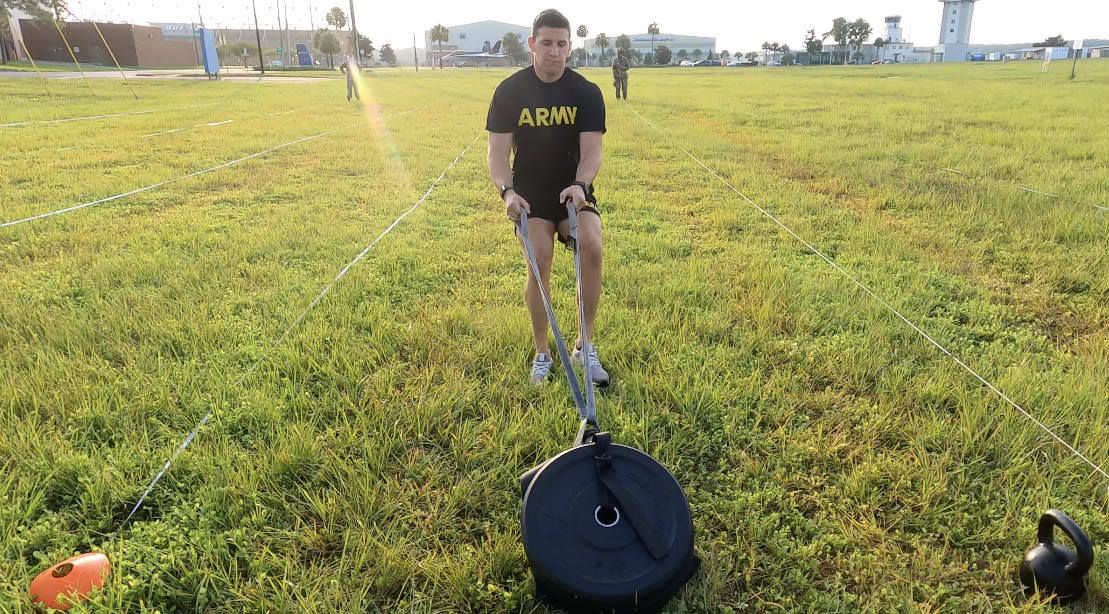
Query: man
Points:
[620, 68]
[554, 119]
[350, 67]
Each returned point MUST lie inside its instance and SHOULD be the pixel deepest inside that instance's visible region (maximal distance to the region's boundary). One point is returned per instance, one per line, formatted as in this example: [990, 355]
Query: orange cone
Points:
[71, 578]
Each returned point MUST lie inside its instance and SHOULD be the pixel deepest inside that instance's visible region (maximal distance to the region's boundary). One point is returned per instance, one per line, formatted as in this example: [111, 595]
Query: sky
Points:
[737, 25]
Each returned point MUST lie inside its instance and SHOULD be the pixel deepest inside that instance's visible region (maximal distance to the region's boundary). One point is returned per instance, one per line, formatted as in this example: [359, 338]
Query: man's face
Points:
[551, 47]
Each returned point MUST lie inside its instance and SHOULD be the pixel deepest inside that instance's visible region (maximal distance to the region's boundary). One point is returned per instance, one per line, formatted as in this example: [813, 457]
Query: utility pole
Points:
[287, 39]
[415, 54]
[311, 23]
[258, 37]
[354, 32]
[199, 15]
[280, 36]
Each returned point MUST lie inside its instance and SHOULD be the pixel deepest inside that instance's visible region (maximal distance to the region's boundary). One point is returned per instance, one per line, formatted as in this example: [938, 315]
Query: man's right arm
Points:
[500, 148]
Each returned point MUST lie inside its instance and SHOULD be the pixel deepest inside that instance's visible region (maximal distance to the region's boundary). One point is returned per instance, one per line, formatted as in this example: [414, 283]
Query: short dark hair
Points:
[550, 18]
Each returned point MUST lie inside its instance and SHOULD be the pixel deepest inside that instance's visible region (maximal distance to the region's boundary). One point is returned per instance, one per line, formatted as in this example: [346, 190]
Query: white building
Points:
[472, 37]
[954, 31]
[896, 47]
[643, 43]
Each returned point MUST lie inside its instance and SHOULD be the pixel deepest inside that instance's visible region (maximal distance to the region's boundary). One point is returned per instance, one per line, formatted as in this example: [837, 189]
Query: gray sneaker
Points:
[600, 376]
[541, 369]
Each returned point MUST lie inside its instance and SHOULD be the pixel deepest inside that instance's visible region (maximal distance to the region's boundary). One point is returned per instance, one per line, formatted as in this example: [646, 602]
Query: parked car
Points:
[686, 63]
[707, 63]
[773, 63]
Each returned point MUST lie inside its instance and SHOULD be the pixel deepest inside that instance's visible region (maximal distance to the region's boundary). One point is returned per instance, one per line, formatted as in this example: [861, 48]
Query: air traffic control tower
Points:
[954, 44]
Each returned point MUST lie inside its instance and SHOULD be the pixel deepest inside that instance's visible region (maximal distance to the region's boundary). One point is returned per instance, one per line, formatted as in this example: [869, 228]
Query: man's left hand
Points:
[577, 193]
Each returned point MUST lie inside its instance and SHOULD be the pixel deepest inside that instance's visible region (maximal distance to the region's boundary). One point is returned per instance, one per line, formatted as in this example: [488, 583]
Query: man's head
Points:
[550, 44]
[620, 52]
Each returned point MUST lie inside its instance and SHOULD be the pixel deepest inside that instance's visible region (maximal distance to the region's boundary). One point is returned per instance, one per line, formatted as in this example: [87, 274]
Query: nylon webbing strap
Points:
[587, 411]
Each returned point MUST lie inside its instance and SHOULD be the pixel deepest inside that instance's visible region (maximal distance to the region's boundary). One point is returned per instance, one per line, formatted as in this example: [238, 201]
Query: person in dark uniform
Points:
[351, 68]
[620, 68]
[554, 120]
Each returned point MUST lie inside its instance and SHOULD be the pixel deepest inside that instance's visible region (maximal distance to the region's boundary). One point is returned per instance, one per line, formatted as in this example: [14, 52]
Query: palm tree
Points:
[878, 44]
[582, 33]
[602, 42]
[652, 30]
[440, 34]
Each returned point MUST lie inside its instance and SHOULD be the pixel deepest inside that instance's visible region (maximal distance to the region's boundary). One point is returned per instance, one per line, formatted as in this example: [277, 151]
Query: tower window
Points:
[951, 30]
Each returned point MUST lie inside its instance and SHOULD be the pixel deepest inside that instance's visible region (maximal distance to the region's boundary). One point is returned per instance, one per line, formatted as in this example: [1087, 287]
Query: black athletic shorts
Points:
[548, 207]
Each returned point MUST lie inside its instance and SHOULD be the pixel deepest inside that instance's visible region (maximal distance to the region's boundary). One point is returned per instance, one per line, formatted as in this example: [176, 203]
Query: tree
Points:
[326, 41]
[663, 55]
[788, 57]
[440, 34]
[878, 44]
[513, 47]
[602, 42]
[365, 45]
[839, 33]
[683, 55]
[652, 30]
[813, 45]
[724, 55]
[751, 55]
[858, 31]
[697, 55]
[582, 33]
[336, 18]
[623, 42]
[388, 56]
[38, 9]
[1052, 41]
[649, 59]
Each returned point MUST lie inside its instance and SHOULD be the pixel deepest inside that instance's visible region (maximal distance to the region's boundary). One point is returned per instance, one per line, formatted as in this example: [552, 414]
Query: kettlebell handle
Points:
[1082, 546]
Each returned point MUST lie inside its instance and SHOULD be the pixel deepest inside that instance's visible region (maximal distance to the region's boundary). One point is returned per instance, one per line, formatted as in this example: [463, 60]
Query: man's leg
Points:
[350, 84]
[541, 233]
[589, 245]
[624, 84]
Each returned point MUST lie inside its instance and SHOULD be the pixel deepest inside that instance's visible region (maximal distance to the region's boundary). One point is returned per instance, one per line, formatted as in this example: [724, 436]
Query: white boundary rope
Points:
[193, 174]
[880, 300]
[77, 119]
[319, 297]
[1015, 187]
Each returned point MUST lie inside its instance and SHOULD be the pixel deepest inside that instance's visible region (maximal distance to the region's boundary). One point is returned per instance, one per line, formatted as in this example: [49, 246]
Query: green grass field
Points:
[835, 461]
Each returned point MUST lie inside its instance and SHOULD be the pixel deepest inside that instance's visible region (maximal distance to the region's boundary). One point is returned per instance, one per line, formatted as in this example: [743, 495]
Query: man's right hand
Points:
[513, 202]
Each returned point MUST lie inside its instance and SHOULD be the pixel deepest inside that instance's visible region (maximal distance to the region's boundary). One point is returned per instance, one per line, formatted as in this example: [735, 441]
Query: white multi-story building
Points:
[954, 45]
[896, 47]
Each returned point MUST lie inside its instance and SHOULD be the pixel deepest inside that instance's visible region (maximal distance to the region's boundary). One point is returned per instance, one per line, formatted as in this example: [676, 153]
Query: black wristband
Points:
[505, 189]
[584, 186]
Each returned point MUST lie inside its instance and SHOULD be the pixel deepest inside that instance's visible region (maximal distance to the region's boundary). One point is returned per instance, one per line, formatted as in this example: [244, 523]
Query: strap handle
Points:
[634, 509]
[563, 354]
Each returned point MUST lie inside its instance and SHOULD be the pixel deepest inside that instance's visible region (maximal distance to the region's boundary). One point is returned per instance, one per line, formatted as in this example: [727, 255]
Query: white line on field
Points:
[880, 300]
[958, 172]
[1038, 192]
[77, 119]
[1100, 207]
[193, 174]
[319, 297]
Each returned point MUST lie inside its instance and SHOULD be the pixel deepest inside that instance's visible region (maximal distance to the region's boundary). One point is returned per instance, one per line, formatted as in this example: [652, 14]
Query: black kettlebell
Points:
[1051, 568]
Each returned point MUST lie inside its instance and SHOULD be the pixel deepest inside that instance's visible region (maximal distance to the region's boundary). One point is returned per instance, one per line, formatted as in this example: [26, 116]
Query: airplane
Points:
[461, 58]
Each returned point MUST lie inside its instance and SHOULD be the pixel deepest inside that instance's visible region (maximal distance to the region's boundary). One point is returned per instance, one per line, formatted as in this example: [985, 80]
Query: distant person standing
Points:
[620, 68]
[351, 68]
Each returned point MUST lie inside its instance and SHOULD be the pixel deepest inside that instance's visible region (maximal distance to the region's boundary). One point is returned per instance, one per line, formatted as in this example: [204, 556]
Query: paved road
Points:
[237, 74]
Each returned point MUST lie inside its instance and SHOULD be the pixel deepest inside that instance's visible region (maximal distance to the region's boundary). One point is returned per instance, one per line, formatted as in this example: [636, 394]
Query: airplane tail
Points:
[485, 49]
[497, 47]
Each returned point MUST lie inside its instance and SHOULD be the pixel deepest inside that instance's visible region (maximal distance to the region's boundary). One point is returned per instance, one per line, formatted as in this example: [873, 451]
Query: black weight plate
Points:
[573, 555]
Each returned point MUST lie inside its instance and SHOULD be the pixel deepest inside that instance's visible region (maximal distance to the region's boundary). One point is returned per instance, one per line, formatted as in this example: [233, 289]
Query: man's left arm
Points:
[589, 144]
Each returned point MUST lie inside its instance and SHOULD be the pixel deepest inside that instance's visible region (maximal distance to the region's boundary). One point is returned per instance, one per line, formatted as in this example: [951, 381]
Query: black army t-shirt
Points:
[545, 120]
